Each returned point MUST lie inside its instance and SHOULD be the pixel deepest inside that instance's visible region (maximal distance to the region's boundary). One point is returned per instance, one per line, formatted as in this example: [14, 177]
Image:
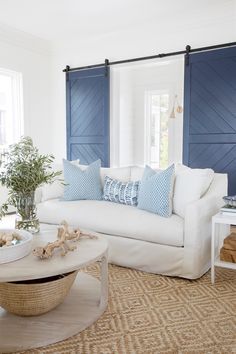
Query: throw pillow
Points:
[120, 192]
[155, 193]
[190, 185]
[82, 184]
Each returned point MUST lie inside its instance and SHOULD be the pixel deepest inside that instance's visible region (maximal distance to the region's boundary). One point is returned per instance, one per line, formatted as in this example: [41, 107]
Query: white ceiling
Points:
[56, 20]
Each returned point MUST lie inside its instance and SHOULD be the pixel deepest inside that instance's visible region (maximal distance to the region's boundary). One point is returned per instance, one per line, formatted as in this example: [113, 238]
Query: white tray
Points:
[20, 250]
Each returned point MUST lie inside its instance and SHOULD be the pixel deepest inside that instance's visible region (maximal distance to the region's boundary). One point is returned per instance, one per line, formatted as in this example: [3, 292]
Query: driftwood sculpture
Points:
[64, 236]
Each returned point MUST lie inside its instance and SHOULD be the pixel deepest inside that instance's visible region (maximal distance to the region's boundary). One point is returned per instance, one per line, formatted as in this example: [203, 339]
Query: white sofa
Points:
[175, 246]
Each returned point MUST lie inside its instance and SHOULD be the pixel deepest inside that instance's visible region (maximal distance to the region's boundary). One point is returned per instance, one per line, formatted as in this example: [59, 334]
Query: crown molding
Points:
[24, 40]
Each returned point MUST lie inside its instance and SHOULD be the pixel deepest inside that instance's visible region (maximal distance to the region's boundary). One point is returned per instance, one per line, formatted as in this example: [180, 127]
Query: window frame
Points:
[147, 115]
[17, 104]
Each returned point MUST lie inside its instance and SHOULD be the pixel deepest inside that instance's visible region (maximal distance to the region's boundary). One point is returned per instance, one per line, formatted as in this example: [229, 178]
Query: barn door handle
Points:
[188, 49]
[106, 66]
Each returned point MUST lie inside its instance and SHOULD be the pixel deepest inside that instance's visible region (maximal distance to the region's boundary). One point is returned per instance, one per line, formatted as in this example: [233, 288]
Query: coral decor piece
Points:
[64, 235]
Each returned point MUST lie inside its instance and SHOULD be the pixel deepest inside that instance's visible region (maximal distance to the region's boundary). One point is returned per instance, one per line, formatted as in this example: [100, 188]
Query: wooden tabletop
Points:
[31, 267]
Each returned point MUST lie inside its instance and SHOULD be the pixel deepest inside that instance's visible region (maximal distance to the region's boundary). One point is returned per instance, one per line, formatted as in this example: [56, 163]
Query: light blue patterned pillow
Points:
[82, 184]
[120, 192]
[155, 192]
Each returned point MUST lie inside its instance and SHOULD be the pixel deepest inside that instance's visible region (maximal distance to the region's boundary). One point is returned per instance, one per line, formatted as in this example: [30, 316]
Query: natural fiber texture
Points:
[155, 314]
[35, 298]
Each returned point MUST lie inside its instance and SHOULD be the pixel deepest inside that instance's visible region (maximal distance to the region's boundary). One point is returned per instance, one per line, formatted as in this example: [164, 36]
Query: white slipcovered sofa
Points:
[175, 246]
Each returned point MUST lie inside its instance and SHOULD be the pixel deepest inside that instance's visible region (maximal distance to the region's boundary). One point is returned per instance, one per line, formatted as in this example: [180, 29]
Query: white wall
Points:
[212, 22]
[208, 28]
[122, 117]
[32, 58]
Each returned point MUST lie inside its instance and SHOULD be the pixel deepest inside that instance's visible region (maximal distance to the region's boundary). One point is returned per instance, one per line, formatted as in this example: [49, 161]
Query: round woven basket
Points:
[35, 297]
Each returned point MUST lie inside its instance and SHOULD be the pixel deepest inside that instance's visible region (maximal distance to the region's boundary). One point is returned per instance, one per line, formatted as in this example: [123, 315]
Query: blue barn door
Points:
[210, 112]
[87, 111]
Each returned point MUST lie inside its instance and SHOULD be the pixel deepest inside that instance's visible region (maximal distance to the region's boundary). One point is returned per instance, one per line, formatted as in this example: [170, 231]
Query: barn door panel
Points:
[87, 93]
[210, 112]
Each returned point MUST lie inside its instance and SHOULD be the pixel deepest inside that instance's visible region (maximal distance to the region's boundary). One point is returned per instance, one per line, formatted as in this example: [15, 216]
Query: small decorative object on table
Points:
[229, 209]
[228, 250]
[22, 172]
[14, 244]
[9, 238]
[64, 234]
[230, 200]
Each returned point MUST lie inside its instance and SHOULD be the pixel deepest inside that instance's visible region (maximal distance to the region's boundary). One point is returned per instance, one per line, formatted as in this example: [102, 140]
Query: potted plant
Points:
[24, 170]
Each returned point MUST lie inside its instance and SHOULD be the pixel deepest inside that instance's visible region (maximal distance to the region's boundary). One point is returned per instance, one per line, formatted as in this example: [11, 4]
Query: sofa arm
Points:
[197, 230]
[199, 213]
[197, 223]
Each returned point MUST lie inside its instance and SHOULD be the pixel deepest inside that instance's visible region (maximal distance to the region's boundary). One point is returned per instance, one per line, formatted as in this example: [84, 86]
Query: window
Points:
[11, 108]
[157, 106]
[3, 137]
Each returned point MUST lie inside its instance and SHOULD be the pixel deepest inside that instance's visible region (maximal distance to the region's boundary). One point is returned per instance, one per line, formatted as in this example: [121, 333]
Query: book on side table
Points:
[228, 210]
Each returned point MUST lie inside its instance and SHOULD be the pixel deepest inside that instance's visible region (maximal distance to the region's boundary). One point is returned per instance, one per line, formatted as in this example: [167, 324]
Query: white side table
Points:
[217, 239]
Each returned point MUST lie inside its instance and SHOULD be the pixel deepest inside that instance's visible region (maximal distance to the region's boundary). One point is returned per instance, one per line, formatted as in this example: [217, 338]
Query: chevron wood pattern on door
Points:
[88, 115]
[87, 153]
[210, 112]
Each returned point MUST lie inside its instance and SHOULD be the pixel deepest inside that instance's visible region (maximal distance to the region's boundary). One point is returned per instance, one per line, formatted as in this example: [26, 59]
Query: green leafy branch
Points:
[24, 170]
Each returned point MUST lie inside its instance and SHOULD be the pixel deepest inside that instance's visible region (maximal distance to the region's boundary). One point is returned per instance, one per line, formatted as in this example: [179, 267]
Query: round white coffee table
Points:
[84, 304]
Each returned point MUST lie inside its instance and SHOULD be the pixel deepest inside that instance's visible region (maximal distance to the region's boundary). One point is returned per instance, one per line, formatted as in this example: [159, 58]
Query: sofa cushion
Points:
[156, 189]
[190, 185]
[121, 192]
[55, 189]
[120, 173]
[82, 184]
[136, 173]
[114, 219]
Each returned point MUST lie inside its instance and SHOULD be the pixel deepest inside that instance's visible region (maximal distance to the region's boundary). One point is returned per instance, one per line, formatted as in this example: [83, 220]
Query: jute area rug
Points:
[155, 314]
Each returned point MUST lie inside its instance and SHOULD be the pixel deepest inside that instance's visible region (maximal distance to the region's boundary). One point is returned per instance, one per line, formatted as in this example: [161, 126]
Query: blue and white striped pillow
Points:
[120, 192]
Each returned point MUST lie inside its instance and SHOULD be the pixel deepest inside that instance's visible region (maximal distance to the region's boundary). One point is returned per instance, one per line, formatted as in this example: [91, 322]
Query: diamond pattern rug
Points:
[154, 314]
